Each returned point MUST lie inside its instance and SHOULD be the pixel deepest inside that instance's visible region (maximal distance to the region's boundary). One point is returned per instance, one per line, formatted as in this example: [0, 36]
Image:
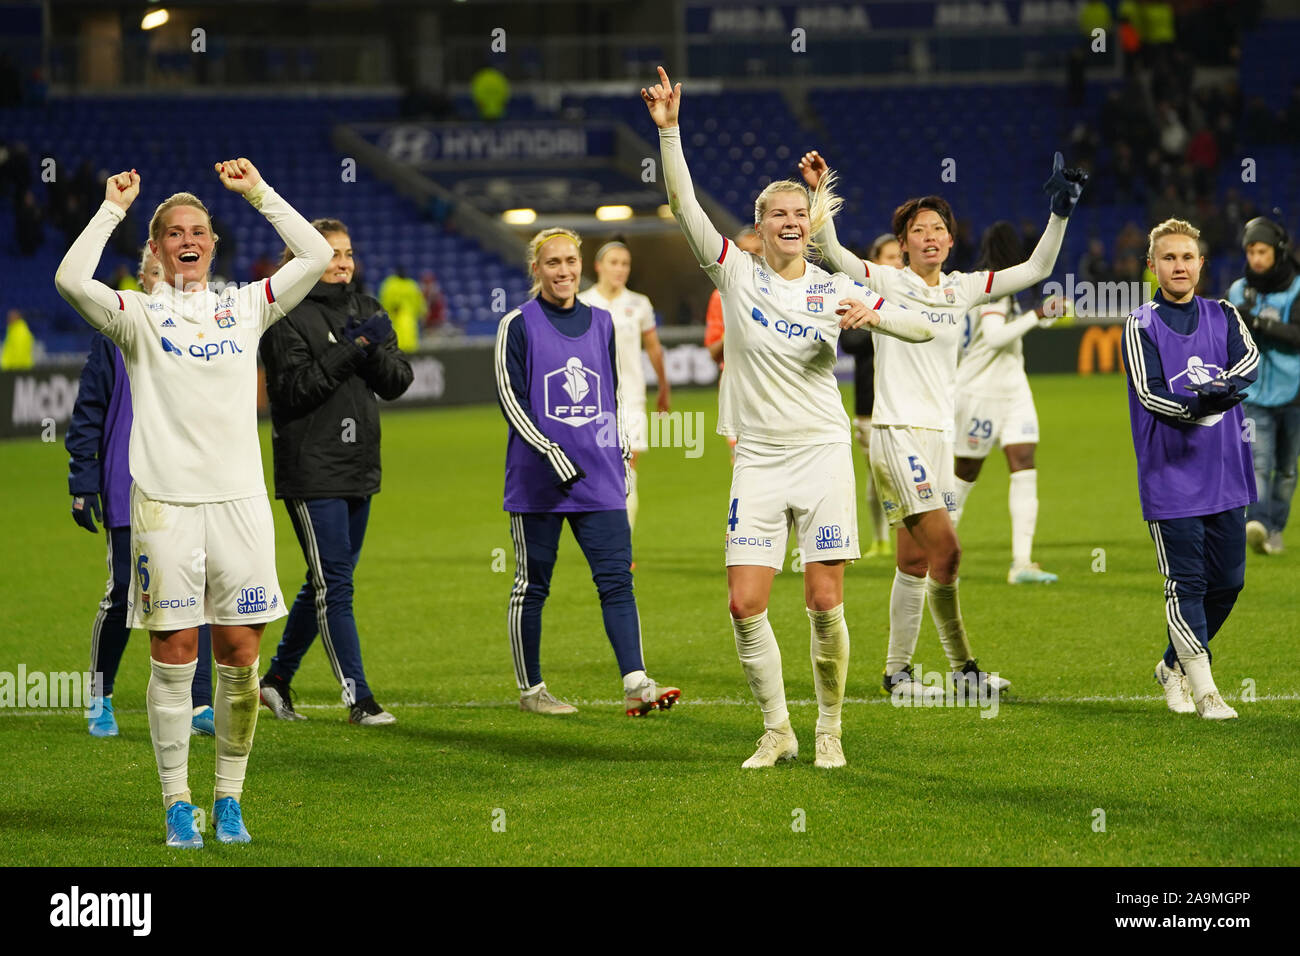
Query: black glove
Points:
[1215, 396]
[375, 330]
[567, 485]
[1064, 186]
[83, 506]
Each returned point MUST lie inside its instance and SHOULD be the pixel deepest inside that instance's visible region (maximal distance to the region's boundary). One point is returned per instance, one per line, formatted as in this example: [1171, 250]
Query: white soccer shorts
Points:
[209, 561]
[637, 423]
[913, 470]
[983, 422]
[808, 486]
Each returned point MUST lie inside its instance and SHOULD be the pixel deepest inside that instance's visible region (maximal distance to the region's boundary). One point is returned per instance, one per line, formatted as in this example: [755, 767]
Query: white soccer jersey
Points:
[780, 384]
[916, 383]
[192, 359]
[993, 354]
[633, 317]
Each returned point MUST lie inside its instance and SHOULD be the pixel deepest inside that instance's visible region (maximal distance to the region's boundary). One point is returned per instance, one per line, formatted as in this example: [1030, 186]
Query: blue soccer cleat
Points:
[180, 826]
[228, 822]
[104, 724]
[201, 724]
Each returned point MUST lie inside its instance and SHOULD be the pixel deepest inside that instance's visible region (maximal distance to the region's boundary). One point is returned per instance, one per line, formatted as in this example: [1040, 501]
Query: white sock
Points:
[906, 602]
[169, 704]
[632, 680]
[1199, 678]
[234, 710]
[760, 656]
[830, 660]
[633, 502]
[963, 489]
[946, 613]
[1022, 499]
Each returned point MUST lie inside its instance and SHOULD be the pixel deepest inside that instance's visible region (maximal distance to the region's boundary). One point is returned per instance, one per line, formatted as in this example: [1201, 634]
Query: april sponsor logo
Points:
[210, 350]
[829, 536]
[572, 394]
[759, 317]
[945, 689]
[106, 910]
[169, 346]
[797, 330]
[23, 690]
[252, 601]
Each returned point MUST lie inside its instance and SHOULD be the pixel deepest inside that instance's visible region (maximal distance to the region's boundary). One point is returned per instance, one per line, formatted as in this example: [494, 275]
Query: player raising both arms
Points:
[634, 327]
[794, 460]
[995, 405]
[202, 538]
[912, 422]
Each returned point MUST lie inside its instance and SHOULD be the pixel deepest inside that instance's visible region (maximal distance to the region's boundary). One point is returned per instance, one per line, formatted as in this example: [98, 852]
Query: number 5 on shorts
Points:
[918, 470]
[732, 520]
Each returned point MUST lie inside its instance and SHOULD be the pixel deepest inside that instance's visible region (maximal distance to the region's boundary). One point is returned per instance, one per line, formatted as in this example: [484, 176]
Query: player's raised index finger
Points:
[663, 78]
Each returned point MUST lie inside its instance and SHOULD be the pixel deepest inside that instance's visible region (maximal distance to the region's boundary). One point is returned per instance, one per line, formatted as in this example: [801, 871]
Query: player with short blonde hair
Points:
[202, 538]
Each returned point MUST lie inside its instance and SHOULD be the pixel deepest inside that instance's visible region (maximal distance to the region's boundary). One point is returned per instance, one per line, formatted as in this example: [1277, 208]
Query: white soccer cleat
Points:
[1274, 543]
[905, 687]
[539, 700]
[1257, 537]
[1213, 707]
[1029, 574]
[774, 745]
[1178, 696]
[649, 696]
[830, 752]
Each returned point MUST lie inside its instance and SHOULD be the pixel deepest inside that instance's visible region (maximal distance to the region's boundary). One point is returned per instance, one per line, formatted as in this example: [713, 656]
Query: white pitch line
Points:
[688, 701]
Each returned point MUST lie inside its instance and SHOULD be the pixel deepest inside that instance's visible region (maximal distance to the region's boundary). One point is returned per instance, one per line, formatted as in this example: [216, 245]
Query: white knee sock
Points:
[170, 707]
[234, 712]
[1199, 677]
[830, 660]
[633, 502]
[963, 489]
[906, 602]
[946, 613]
[1022, 499]
[761, 658]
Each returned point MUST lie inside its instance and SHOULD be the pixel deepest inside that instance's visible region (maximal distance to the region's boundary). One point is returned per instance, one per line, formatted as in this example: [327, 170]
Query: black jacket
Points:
[324, 416]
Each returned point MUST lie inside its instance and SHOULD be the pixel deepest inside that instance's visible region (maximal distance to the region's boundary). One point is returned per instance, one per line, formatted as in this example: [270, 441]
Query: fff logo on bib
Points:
[573, 394]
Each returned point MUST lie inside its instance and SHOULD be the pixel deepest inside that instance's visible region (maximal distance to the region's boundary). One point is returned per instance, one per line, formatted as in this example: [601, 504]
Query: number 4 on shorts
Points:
[732, 520]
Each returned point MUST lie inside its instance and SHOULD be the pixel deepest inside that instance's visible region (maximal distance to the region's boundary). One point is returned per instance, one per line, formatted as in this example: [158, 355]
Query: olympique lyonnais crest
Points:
[950, 295]
[225, 319]
[924, 491]
[815, 303]
[573, 394]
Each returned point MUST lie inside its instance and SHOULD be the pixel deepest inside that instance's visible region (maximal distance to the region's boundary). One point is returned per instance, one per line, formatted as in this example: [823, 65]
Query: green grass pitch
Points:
[466, 778]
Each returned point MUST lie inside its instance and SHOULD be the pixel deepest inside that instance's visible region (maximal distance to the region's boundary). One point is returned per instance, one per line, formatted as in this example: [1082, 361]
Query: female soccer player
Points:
[794, 460]
[566, 457]
[97, 439]
[202, 539]
[634, 327]
[325, 363]
[995, 405]
[911, 440]
[857, 342]
[1189, 362]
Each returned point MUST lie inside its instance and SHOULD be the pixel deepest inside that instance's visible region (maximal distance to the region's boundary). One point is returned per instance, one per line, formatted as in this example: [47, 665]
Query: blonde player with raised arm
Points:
[634, 328]
[912, 422]
[794, 460]
[202, 538]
